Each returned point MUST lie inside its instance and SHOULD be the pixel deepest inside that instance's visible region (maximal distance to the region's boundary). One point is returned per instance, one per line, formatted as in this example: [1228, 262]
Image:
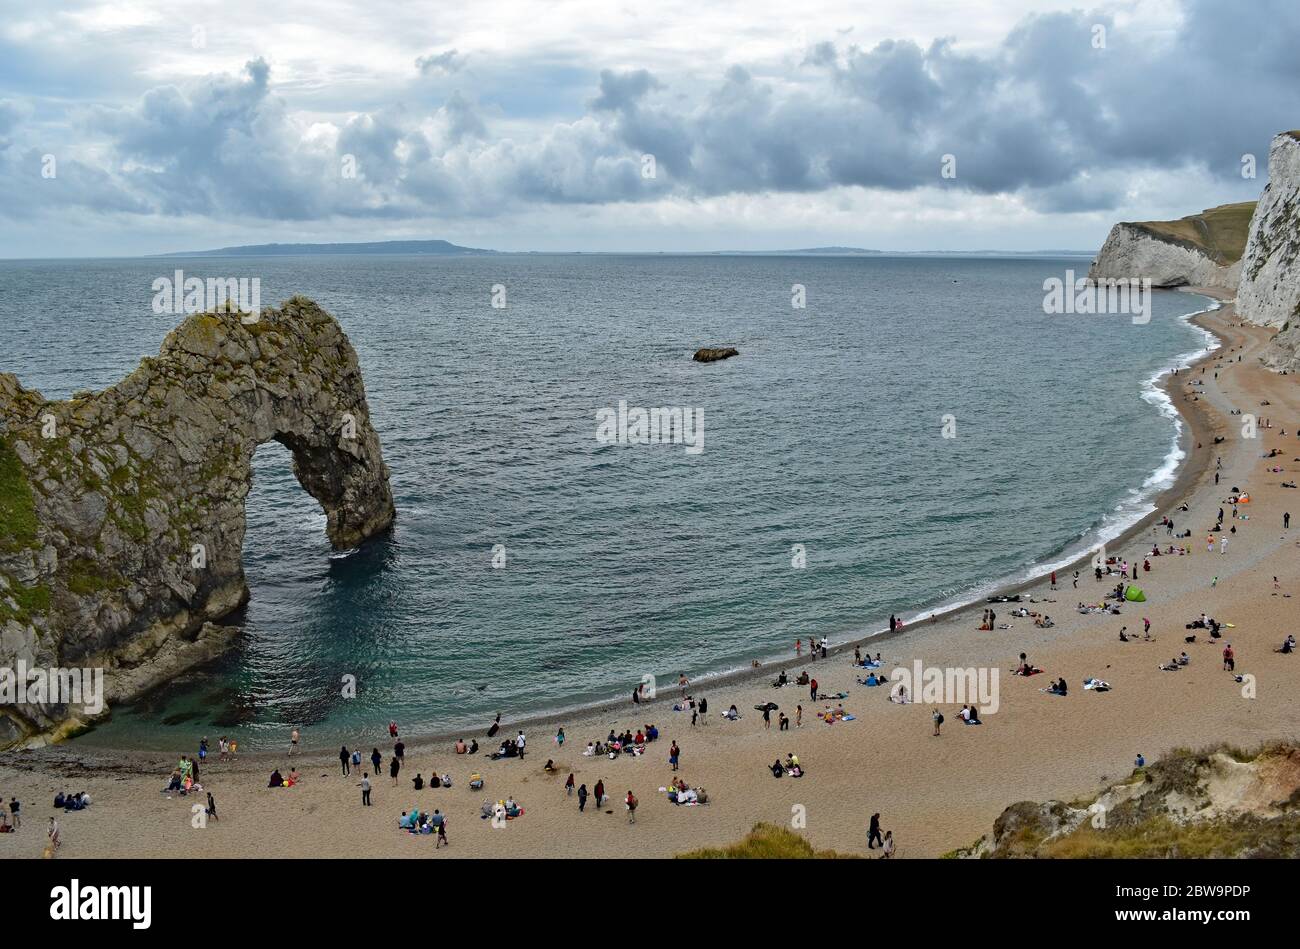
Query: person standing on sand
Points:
[812, 690]
[767, 718]
[376, 759]
[888, 845]
[394, 767]
[399, 751]
[519, 743]
[1286, 520]
[630, 803]
[1053, 579]
[600, 793]
[568, 785]
[704, 711]
[937, 717]
[14, 808]
[365, 788]
[1076, 579]
[675, 753]
[582, 798]
[293, 741]
[344, 758]
[873, 833]
[53, 834]
[798, 716]
[1229, 658]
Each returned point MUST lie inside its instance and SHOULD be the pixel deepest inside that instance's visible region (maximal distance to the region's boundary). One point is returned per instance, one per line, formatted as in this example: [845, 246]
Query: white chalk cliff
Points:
[1269, 293]
[1137, 250]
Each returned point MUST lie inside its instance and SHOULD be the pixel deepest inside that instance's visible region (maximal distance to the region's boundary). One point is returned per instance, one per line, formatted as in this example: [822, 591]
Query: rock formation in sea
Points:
[122, 511]
[1215, 803]
[1269, 293]
[714, 354]
[1201, 250]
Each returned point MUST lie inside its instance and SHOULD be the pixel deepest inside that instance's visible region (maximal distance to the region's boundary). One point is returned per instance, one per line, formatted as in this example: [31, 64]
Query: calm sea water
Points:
[626, 560]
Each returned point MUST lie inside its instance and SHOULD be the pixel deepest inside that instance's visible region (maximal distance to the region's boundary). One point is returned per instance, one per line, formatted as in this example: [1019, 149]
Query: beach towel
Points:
[1096, 685]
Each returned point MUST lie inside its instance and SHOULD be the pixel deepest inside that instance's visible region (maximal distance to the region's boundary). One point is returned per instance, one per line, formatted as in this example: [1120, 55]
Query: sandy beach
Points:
[935, 794]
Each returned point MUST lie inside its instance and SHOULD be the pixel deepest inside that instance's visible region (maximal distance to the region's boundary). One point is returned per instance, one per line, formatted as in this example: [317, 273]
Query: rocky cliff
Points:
[1216, 803]
[1202, 250]
[122, 512]
[1270, 278]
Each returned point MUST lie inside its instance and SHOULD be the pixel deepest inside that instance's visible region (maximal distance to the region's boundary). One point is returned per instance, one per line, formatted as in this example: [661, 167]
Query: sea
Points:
[917, 433]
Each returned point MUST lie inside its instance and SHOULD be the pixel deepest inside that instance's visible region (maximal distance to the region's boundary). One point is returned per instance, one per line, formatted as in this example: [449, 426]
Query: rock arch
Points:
[122, 512]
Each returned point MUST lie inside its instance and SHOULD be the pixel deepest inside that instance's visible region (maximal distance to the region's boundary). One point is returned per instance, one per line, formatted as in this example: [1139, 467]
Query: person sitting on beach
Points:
[731, 714]
[777, 770]
[460, 746]
[651, 733]
[781, 681]
[1058, 687]
[418, 782]
[792, 767]
[277, 781]
[1044, 622]
[899, 696]
[1170, 666]
[1183, 659]
[1287, 647]
[549, 767]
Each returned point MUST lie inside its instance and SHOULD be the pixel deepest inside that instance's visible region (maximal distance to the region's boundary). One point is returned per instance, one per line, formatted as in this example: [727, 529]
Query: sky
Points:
[157, 125]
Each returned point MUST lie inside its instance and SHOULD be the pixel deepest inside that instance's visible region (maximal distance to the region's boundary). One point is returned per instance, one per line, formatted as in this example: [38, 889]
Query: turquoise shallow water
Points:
[625, 560]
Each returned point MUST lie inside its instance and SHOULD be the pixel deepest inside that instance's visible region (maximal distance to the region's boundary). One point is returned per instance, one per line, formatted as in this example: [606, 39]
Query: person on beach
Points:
[53, 834]
[582, 798]
[674, 754]
[212, 807]
[356, 760]
[519, 743]
[937, 717]
[630, 803]
[704, 711]
[600, 792]
[399, 751]
[767, 718]
[568, 785]
[812, 689]
[1076, 579]
[873, 833]
[798, 716]
[1286, 520]
[683, 683]
[293, 741]
[344, 760]
[495, 726]
[1229, 658]
[392, 730]
[394, 767]
[365, 788]
[440, 822]
[1140, 761]
[376, 759]
[888, 845]
[1053, 579]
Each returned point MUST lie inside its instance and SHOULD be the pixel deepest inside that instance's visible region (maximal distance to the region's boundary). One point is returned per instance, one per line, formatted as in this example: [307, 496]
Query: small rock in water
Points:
[713, 355]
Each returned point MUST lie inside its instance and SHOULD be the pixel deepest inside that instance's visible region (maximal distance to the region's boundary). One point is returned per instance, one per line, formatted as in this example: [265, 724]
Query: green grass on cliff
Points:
[17, 506]
[1219, 232]
[767, 842]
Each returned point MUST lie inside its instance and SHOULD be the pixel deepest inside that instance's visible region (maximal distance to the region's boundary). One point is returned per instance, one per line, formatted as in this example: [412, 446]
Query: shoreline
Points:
[1197, 427]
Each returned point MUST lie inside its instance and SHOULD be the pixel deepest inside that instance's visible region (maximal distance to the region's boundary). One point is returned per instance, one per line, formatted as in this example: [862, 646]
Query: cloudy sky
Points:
[154, 125]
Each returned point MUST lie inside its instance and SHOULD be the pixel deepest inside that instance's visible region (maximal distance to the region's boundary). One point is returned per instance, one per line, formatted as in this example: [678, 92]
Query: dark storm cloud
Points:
[1045, 115]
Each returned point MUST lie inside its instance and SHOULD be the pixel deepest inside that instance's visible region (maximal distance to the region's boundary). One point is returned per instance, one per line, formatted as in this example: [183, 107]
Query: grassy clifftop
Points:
[1219, 233]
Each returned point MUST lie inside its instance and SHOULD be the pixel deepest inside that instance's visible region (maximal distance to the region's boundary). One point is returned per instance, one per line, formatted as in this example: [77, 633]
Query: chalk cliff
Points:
[1202, 250]
[1270, 278]
[122, 512]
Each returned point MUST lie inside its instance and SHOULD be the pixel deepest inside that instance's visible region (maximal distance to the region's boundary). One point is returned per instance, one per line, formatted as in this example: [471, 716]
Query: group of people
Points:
[418, 822]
